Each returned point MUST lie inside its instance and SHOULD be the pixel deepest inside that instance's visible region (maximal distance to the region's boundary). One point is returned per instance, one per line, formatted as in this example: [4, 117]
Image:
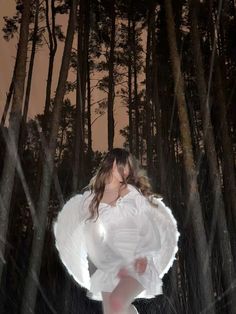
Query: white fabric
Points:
[131, 229]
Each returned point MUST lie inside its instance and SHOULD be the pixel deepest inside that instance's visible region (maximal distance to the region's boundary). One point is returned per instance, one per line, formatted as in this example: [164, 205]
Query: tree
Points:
[111, 89]
[30, 73]
[218, 217]
[82, 54]
[30, 291]
[51, 28]
[193, 201]
[12, 136]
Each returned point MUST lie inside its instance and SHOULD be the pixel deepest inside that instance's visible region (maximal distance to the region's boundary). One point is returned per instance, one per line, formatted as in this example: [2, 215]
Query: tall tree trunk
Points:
[218, 217]
[160, 172]
[228, 163]
[111, 87]
[136, 100]
[227, 150]
[7, 181]
[151, 20]
[90, 150]
[78, 165]
[87, 109]
[30, 291]
[52, 53]
[79, 153]
[44, 134]
[130, 100]
[84, 58]
[9, 97]
[227, 157]
[193, 203]
[29, 79]
[83, 38]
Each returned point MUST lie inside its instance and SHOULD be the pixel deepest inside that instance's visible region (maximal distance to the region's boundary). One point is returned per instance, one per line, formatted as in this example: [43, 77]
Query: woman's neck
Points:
[113, 185]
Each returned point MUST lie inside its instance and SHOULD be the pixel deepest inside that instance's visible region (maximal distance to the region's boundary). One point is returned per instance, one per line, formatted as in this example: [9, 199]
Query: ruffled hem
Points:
[126, 243]
[102, 281]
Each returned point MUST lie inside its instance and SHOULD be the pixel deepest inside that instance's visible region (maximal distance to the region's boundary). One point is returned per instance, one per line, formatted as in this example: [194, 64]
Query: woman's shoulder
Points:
[133, 190]
[145, 204]
[137, 194]
[86, 193]
[134, 202]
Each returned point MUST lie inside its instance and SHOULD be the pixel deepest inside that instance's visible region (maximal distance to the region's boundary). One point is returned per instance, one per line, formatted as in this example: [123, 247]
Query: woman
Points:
[121, 229]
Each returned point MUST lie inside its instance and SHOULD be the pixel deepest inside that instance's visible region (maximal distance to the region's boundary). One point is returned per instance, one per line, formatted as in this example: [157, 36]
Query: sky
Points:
[37, 98]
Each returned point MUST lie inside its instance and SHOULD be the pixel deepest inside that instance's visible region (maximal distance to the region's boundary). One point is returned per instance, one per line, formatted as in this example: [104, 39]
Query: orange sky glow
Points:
[37, 98]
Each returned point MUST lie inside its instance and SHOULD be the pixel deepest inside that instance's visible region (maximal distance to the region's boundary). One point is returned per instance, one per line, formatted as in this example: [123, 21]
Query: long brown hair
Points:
[137, 176]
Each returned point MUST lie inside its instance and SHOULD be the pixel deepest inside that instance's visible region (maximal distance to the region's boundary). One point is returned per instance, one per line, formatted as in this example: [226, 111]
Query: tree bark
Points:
[193, 202]
[7, 181]
[29, 79]
[227, 156]
[46, 114]
[148, 126]
[52, 53]
[228, 163]
[90, 143]
[78, 165]
[82, 63]
[130, 100]
[219, 223]
[111, 87]
[8, 100]
[136, 100]
[160, 172]
[30, 291]
[226, 143]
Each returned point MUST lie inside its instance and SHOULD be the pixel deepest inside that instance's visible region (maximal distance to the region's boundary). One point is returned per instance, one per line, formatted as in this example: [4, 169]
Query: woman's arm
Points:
[140, 265]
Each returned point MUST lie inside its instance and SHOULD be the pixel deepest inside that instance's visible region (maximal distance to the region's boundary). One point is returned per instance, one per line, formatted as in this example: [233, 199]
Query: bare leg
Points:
[107, 308]
[106, 302]
[119, 300]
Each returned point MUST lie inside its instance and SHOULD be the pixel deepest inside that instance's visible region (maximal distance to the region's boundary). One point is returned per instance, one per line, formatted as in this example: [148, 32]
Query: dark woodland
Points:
[172, 65]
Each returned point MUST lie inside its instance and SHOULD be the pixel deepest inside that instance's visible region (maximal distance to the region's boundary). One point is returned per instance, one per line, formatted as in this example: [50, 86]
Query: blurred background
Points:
[78, 78]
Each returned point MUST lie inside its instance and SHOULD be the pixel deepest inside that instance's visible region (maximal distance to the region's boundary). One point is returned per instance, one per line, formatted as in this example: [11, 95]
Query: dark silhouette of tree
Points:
[172, 75]
[219, 222]
[12, 134]
[110, 102]
[193, 200]
[30, 291]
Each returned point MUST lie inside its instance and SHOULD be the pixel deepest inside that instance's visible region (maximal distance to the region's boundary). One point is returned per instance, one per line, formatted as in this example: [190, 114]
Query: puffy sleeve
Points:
[166, 234]
[69, 239]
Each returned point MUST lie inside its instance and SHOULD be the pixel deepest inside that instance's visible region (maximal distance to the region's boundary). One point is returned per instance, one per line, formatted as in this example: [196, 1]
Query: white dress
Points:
[132, 228]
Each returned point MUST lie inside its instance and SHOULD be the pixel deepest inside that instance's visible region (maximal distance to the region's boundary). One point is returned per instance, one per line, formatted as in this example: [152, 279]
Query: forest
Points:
[171, 66]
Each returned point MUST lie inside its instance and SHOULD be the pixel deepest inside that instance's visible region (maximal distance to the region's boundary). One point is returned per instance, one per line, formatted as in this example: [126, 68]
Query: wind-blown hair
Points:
[137, 176]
